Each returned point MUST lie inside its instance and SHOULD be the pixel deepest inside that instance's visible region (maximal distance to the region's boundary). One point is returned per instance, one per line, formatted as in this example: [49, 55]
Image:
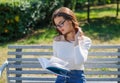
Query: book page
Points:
[44, 62]
[54, 65]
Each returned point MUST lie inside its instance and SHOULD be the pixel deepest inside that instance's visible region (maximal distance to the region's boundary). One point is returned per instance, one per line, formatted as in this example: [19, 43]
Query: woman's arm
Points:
[81, 50]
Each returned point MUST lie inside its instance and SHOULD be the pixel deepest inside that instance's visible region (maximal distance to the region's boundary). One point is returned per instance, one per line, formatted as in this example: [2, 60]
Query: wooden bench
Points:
[22, 65]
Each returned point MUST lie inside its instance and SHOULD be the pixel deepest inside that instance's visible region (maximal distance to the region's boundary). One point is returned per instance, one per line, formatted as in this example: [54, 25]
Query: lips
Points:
[62, 29]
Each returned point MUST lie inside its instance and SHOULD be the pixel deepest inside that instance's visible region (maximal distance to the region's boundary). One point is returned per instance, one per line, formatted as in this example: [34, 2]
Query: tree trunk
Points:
[67, 3]
[88, 11]
[73, 4]
[117, 8]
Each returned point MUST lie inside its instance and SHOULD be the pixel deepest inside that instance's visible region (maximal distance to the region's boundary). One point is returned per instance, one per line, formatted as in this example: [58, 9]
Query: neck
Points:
[70, 36]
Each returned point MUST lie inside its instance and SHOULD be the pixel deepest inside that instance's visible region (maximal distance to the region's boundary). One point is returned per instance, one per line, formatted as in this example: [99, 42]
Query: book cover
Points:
[54, 65]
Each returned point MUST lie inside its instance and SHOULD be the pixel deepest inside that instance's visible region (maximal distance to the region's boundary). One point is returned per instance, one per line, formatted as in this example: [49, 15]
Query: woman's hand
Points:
[77, 38]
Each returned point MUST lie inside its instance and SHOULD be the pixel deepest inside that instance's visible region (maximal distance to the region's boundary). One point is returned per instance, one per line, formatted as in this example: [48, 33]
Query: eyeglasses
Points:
[60, 25]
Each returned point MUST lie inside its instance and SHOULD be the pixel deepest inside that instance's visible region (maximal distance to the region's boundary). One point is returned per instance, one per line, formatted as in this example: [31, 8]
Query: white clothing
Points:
[74, 55]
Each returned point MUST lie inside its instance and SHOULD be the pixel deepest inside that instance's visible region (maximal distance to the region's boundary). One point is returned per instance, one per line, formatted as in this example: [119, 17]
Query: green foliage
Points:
[101, 2]
[42, 12]
[12, 22]
[18, 20]
[80, 4]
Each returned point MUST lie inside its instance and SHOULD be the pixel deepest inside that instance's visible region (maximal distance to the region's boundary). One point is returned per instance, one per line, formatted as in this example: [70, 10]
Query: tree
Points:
[88, 10]
[117, 10]
[70, 4]
[67, 3]
[73, 4]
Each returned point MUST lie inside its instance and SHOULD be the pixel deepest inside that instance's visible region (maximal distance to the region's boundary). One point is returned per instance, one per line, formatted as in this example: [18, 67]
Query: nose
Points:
[59, 27]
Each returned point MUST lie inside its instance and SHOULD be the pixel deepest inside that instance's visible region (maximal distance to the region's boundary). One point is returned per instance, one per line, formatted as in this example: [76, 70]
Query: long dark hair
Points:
[67, 14]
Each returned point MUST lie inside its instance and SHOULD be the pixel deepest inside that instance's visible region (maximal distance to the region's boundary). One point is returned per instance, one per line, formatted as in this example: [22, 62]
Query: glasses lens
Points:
[61, 24]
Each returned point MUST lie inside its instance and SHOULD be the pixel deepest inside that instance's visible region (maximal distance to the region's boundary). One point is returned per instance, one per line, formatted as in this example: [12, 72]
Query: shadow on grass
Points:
[104, 29]
[29, 39]
[33, 38]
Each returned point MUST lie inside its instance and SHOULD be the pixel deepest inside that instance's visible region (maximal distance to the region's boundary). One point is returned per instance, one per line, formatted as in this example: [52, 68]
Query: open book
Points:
[54, 65]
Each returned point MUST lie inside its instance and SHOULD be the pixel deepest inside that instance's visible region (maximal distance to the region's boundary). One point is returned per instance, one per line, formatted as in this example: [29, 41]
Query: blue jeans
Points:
[74, 76]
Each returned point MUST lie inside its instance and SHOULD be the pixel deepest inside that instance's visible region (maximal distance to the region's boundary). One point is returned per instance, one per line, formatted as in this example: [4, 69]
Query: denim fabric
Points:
[75, 76]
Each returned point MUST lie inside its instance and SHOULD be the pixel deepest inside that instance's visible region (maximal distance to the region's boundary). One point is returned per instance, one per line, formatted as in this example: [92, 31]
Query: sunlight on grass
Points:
[111, 42]
[3, 56]
[93, 14]
[41, 36]
[80, 16]
[98, 12]
[10, 1]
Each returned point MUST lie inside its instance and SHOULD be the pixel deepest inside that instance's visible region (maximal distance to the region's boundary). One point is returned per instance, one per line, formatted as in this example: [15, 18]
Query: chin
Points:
[64, 33]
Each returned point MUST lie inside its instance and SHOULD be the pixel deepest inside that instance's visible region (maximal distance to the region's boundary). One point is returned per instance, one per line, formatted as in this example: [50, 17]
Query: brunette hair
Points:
[67, 14]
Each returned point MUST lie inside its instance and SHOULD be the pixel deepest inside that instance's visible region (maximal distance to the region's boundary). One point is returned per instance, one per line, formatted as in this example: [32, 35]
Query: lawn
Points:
[102, 29]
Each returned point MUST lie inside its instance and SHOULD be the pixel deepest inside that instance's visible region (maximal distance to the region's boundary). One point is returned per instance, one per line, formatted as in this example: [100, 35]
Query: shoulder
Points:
[86, 38]
[59, 38]
[86, 42]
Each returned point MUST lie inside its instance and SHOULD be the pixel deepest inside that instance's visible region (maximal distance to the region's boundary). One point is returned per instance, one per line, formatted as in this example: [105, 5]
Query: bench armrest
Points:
[3, 67]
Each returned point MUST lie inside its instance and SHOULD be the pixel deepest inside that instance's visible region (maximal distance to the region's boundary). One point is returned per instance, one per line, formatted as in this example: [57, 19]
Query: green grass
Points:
[98, 12]
[103, 26]
[102, 29]
[105, 29]
[41, 36]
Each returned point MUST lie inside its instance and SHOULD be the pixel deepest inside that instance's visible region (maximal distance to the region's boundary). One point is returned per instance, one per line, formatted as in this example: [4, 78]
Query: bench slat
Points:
[105, 47]
[24, 66]
[86, 65]
[30, 47]
[104, 54]
[32, 78]
[22, 59]
[50, 53]
[89, 59]
[49, 46]
[88, 62]
[33, 81]
[48, 72]
[103, 79]
[102, 72]
[29, 72]
[30, 53]
[52, 79]
[102, 66]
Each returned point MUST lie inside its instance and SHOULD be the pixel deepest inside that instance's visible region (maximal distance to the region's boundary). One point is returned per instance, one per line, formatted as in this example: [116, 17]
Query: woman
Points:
[70, 45]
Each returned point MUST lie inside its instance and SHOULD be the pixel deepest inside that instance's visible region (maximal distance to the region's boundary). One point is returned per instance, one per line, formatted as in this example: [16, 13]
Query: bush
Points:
[18, 21]
[13, 22]
[42, 12]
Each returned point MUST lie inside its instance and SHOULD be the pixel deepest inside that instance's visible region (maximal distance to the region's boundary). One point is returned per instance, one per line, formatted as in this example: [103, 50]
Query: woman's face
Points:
[63, 25]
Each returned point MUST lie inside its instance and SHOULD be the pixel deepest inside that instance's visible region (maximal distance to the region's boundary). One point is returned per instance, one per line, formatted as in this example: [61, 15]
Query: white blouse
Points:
[74, 55]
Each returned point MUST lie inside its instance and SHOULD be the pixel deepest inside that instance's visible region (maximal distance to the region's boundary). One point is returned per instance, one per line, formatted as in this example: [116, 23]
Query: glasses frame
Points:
[60, 25]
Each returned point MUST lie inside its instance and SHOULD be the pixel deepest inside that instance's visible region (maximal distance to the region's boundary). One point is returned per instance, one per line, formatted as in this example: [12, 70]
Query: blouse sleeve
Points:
[81, 50]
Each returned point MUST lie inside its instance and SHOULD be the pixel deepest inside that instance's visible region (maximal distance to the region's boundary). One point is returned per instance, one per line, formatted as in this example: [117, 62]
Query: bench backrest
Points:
[102, 64]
